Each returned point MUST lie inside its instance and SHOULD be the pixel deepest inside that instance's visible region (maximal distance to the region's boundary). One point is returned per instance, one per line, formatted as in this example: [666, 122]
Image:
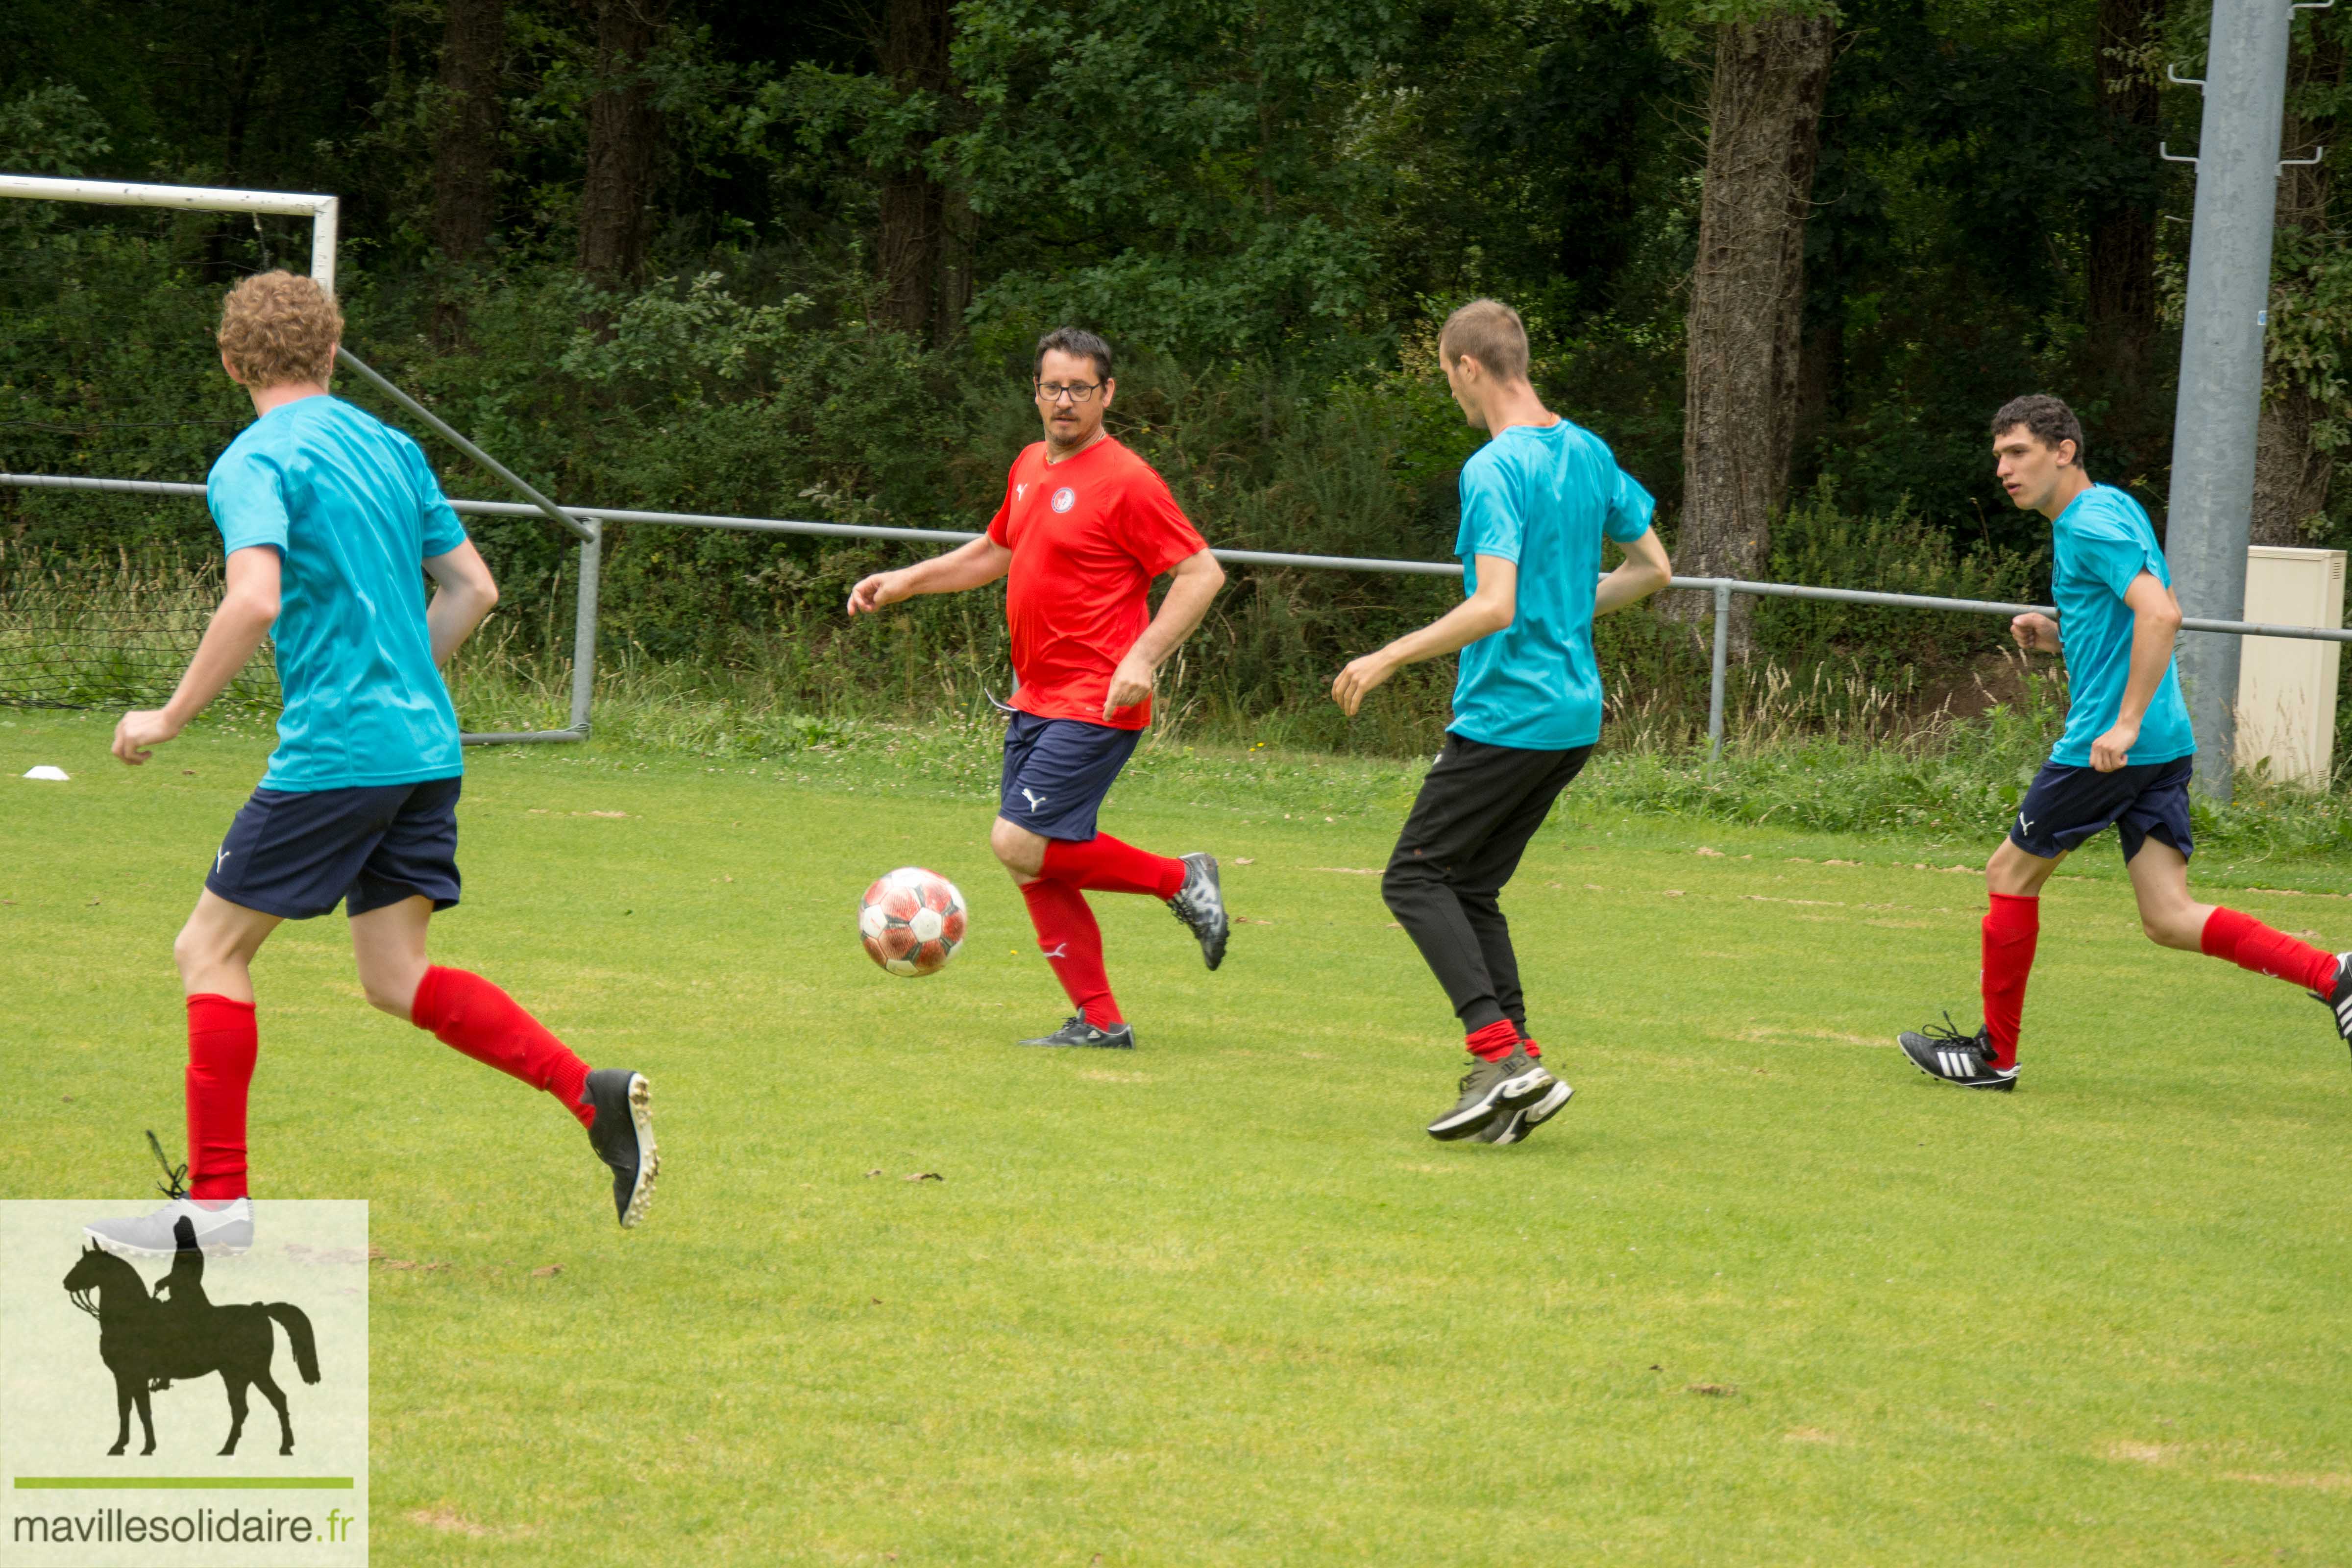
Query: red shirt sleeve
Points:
[1153, 527]
[1000, 525]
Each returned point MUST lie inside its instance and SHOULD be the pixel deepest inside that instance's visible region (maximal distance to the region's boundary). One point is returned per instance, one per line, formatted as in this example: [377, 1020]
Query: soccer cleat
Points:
[1513, 1126]
[623, 1137]
[222, 1231]
[1493, 1090]
[2340, 996]
[1076, 1031]
[1200, 903]
[1942, 1051]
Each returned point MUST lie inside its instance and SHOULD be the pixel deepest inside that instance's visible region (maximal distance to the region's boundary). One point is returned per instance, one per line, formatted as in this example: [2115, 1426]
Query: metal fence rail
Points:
[588, 520]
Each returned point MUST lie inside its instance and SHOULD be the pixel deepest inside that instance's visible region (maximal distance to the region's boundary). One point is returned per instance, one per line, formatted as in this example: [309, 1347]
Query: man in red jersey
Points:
[1085, 527]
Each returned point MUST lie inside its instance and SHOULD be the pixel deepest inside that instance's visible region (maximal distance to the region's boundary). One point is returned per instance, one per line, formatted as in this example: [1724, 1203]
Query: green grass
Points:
[1223, 1301]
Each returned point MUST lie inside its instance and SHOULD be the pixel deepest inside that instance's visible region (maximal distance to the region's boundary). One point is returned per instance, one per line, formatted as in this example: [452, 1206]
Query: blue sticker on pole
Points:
[2261, 318]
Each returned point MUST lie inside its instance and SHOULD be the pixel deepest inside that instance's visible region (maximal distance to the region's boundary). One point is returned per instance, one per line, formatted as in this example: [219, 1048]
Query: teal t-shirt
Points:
[2103, 542]
[353, 510]
[1541, 497]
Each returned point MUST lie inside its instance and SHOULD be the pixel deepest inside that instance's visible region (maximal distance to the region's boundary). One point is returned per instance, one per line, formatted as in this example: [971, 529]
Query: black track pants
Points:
[1478, 809]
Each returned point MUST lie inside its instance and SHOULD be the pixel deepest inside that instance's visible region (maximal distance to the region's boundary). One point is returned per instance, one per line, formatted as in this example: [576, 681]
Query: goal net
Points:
[112, 403]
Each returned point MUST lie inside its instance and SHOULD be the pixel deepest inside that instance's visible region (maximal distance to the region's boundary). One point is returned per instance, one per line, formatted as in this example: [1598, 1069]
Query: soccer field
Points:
[1762, 1294]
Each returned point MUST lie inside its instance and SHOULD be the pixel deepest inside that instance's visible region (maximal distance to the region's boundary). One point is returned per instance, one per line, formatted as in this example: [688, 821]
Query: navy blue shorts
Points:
[295, 853]
[2067, 806]
[1057, 771]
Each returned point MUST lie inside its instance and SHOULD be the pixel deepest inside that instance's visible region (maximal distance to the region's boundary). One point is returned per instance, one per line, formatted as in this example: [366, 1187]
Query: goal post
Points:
[323, 213]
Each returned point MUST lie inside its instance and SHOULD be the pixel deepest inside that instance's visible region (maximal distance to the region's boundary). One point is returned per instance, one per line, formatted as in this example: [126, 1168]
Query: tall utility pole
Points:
[2221, 402]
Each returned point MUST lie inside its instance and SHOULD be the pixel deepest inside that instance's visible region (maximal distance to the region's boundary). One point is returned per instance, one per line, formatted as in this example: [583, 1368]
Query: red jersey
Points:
[1088, 536]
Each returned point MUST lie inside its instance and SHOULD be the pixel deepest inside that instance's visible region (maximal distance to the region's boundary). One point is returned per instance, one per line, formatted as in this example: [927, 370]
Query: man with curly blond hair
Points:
[331, 521]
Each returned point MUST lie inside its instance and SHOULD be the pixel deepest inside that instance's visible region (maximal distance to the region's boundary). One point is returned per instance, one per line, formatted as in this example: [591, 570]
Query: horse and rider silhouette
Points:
[149, 1340]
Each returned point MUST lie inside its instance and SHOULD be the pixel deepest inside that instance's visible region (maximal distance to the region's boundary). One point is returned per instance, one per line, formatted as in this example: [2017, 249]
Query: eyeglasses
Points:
[1077, 392]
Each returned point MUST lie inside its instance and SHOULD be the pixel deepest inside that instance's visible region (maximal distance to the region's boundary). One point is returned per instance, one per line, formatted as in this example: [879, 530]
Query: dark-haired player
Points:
[1085, 527]
[1537, 502]
[331, 521]
[2124, 760]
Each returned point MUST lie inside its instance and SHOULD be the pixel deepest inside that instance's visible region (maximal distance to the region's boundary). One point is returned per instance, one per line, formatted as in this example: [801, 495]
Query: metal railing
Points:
[591, 519]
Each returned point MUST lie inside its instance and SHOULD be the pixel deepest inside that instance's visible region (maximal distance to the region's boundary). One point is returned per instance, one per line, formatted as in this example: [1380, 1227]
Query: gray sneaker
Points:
[222, 1232]
[1076, 1031]
[1513, 1126]
[1200, 903]
[1490, 1091]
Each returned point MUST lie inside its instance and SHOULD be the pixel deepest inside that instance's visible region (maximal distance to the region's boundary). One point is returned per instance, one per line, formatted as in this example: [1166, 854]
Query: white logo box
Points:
[69, 1504]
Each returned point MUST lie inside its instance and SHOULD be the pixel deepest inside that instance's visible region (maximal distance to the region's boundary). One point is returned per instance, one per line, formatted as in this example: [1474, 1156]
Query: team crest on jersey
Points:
[1065, 499]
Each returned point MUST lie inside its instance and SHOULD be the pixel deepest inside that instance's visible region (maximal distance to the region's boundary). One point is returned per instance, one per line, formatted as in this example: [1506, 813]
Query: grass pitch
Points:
[1760, 1295]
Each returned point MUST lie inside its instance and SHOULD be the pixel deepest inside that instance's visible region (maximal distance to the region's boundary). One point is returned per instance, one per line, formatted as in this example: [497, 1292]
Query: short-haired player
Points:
[1538, 500]
[2122, 762]
[331, 521]
[1085, 527]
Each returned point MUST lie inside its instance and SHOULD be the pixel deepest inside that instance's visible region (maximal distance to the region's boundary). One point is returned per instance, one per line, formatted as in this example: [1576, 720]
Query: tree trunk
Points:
[624, 145]
[909, 249]
[466, 153]
[2121, 259]
[1748, 297]
[2291, 475]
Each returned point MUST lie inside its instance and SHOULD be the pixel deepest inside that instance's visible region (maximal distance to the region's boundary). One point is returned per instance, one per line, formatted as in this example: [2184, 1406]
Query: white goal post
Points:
[324, 211]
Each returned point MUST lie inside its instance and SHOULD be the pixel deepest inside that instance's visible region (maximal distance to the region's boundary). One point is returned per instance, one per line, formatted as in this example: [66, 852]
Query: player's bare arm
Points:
[1493, 606]
[1643, 571]
[2156, 621]
[971, 565]
[246, 610]
[463, 593]
[1194, 586]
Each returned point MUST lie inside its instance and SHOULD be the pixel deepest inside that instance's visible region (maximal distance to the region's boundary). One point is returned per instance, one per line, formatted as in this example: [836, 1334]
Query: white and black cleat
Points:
[1513, 1126]
[1493, 1092]
[222, 1229]
[1941, 1051]
[2339, 997]
[1075, 1031]
[1200, 903]
[623, 1137]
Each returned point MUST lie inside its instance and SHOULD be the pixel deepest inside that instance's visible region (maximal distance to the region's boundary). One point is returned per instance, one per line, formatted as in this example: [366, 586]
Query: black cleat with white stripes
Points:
[1942, 1051]
[2339, 998]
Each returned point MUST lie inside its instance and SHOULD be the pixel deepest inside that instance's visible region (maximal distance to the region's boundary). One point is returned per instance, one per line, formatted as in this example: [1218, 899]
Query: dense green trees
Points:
[778, 259]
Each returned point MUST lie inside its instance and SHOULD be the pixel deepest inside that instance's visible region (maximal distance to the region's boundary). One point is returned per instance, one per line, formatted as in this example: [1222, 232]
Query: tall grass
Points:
[110, 630]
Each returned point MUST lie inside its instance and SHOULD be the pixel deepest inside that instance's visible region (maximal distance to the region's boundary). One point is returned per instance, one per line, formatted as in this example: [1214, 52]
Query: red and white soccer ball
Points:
[912, 922]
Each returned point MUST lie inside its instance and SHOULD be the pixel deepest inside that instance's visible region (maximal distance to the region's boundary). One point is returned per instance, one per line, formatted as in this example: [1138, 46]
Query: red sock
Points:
[1493, 1043]
[2011, 927]
[1528, 1044]
[476, 1018]
[222, 1041]
[2250, 944]
[1106, 864]
[1072, 943]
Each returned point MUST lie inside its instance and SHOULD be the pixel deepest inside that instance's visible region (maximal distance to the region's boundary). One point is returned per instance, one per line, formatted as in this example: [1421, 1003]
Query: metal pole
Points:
[323, 223]
[2220, 395]
[1722, 659]
[584, 627]
[578, 530]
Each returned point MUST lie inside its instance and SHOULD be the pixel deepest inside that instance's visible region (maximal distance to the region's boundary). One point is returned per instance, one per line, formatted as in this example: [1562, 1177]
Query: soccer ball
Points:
[912, 922]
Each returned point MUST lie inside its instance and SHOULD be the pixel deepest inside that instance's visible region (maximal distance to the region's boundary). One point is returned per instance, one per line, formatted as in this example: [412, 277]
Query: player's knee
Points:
[390, 993]
[1017, 848]
[194, 952]
[2171, 927]
[1398, 884]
